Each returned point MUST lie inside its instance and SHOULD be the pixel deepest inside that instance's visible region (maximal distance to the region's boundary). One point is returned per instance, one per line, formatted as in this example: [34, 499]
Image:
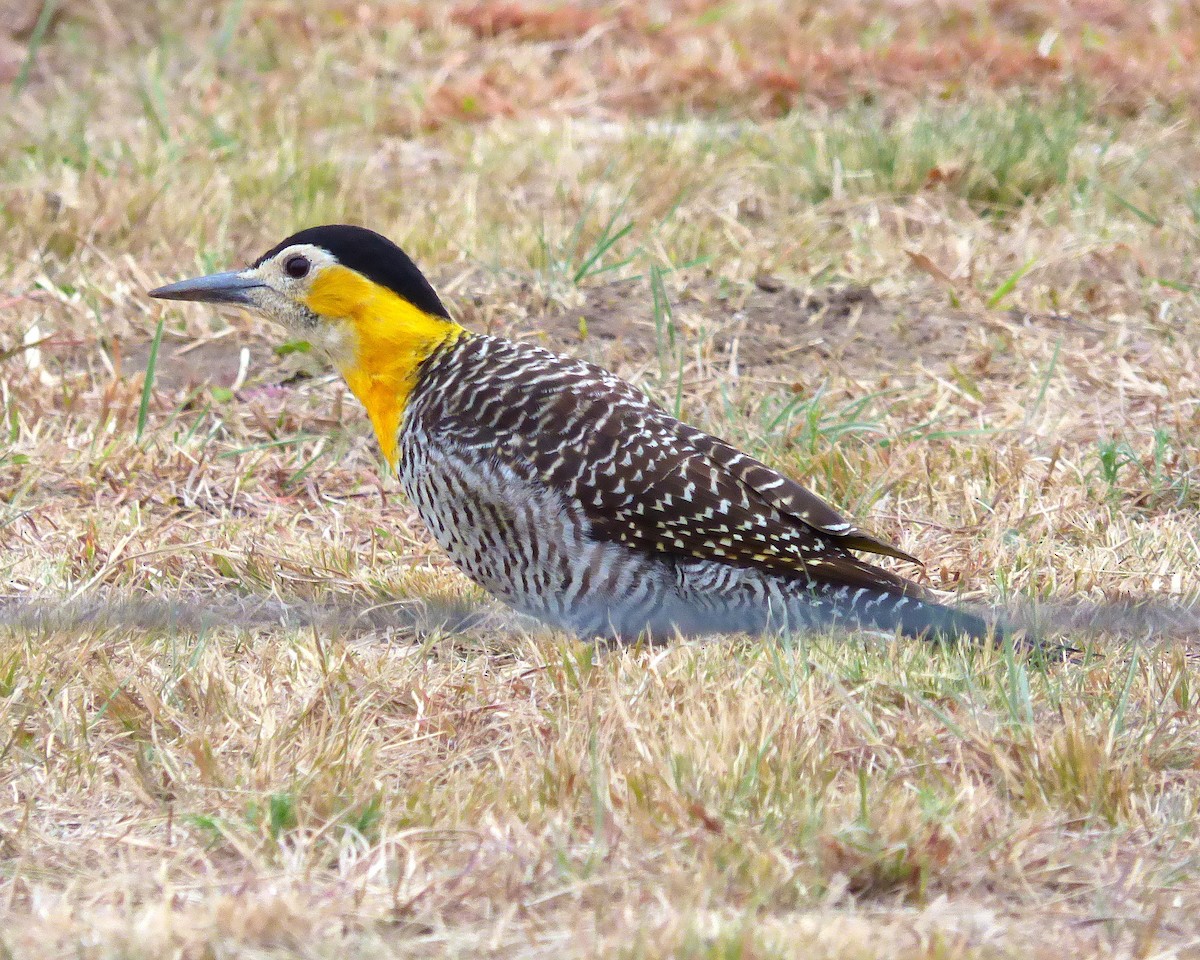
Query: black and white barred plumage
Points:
[558, 486]
[561, 489]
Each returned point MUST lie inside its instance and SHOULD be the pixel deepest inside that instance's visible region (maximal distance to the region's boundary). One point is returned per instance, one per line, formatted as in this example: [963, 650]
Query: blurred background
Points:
[937, 259]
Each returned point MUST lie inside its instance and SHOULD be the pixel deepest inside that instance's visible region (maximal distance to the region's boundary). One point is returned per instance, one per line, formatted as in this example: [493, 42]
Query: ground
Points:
[938, 260]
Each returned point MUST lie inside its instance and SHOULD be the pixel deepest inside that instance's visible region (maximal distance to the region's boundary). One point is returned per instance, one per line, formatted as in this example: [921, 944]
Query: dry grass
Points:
[963, 305]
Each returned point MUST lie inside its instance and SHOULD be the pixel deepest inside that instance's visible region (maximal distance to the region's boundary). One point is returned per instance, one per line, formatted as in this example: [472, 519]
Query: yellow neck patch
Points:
[391, 339]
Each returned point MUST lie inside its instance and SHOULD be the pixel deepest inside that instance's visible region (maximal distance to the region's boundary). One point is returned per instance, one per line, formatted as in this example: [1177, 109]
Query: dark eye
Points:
[297, 267]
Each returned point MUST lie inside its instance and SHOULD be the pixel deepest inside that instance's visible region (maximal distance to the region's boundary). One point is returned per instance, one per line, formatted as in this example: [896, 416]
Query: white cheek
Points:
[335, 341]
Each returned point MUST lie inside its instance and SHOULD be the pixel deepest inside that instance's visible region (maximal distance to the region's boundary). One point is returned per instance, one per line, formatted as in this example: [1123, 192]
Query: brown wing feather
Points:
[659, 484]
[639, 476]
[791, 498]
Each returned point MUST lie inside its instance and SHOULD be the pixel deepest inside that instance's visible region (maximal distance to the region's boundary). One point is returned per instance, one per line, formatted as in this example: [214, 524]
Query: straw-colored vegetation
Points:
[938, 259]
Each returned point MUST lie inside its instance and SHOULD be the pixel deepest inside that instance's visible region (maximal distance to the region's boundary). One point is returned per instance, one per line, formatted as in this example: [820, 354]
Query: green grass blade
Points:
[148, 384]
[35, 42]
[1010, 284]
[272, 444]
[229, 28]
[1037, 403]
[1144, 215]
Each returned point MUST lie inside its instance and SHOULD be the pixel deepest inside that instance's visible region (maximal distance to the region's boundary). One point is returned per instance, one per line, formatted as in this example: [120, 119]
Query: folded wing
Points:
[656, 483]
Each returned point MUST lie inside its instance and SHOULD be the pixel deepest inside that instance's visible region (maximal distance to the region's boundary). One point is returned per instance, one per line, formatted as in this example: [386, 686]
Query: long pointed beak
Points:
[228, 287]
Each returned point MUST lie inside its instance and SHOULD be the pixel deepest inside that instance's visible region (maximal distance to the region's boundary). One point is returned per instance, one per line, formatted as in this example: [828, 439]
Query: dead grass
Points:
[955, 289]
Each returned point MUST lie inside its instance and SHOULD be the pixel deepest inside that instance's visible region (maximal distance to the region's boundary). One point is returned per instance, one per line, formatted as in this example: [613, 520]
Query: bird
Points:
[559, 487]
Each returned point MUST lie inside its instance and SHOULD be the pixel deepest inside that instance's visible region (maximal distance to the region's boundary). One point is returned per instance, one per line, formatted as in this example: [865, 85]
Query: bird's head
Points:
[353, 295]
[350, 292]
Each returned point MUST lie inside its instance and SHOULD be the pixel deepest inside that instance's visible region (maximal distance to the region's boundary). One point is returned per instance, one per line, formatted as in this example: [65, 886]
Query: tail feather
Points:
[872, 597]
[915, 616]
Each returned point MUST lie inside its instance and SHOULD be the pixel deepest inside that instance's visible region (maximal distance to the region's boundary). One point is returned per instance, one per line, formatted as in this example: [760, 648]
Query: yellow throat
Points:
[391, 340]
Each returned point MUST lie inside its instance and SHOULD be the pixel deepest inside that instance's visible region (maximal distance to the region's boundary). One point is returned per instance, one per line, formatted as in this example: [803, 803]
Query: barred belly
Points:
[526, 545]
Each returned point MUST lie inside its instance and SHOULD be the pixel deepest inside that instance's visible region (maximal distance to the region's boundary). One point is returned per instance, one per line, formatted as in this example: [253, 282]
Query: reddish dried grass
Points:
[487, 20]
[766, 63]
[500, 58]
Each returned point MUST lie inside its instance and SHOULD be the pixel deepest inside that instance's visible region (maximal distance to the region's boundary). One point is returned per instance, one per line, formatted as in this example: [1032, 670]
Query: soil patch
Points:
[767, 330]
[773, 331]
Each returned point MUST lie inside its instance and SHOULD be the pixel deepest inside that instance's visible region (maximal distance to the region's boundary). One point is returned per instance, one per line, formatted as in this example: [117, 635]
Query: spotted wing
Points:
[643, 478]
[637, 474]
[789, 497]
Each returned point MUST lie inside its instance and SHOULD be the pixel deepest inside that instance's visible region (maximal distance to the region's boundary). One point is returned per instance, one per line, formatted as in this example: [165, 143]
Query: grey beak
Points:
[228, 287]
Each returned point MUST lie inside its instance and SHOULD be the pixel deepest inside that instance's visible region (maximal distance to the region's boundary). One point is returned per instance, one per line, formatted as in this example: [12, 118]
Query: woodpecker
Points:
[561, 488]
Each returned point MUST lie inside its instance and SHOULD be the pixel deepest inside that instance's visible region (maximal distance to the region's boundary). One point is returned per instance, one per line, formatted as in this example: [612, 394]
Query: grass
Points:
[958, 298]
[992, 158]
